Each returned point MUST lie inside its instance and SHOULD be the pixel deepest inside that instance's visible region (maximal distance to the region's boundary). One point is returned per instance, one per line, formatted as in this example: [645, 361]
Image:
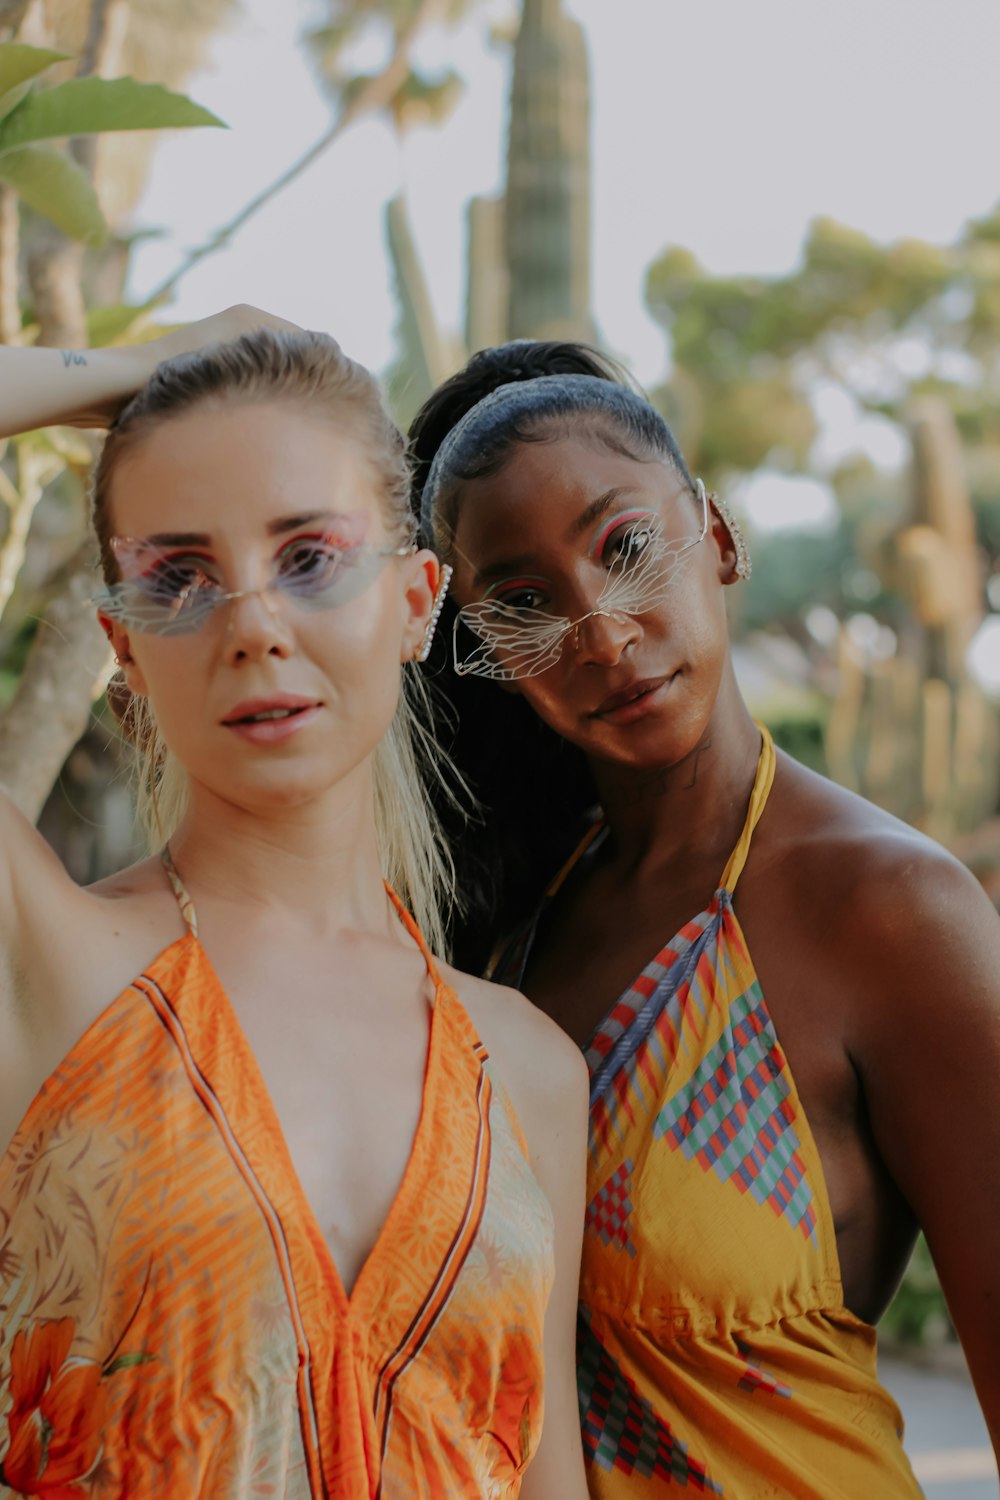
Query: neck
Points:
[316, 860]
[693, 808]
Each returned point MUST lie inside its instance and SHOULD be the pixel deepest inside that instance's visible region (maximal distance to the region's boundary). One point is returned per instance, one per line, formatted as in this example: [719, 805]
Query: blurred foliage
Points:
[792, 572]
[885, 322]
[60, 103]
[47, 178]
[800, 734]
[420, 98]
[902, 342]
[918, 1313]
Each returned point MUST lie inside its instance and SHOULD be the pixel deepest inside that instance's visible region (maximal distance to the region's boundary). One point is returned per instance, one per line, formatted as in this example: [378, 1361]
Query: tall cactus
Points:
[547, 220]
[528, 249]
[915, 732]
[487, 296]
[425, 356]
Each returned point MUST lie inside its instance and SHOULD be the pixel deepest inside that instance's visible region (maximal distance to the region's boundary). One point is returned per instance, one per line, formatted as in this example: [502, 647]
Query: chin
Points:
[651, 744]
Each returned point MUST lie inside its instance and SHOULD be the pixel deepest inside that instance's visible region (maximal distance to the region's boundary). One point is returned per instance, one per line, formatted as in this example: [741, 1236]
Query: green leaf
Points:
[19, 64]
[126, 1362]
[108, 325]
[12, 98]
[85, 106]
[53, 185]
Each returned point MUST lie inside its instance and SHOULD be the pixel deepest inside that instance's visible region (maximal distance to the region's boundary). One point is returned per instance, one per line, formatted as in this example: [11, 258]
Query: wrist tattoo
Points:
[72, 357]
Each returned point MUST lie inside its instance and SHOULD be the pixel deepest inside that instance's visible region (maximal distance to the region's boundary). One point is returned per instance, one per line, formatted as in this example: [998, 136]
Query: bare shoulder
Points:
[542, 1070]
[887, 914]
[513, 1029]
[867, 867]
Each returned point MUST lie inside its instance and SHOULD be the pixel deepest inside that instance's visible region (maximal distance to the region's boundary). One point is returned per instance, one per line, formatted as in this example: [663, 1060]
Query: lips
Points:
[276, 708]
[641, 688]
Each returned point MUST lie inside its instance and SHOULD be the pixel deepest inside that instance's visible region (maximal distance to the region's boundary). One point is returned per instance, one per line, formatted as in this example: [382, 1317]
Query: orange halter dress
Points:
[172, 1322]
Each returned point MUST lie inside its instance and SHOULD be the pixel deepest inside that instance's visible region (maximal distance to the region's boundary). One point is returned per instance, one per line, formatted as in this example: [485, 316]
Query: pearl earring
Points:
[424, 649]
[744, 566]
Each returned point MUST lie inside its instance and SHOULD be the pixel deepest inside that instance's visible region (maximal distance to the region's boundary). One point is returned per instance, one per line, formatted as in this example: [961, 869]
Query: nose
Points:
[256, 627]
[601, 638]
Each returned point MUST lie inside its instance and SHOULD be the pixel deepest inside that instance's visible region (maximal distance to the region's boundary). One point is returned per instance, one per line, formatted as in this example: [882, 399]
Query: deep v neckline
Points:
[347, 1298]
[363, 1291]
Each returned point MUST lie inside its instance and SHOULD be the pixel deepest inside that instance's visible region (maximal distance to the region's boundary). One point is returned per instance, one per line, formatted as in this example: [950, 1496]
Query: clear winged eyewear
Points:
[643, 558]
[171, 589]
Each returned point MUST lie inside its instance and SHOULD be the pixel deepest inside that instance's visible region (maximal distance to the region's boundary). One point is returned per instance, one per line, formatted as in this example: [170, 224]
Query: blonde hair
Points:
[309, 370]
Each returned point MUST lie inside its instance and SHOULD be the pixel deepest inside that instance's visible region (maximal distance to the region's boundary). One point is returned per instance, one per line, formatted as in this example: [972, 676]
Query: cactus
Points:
[915, 733]
[547, 229]
[488, 281]
[528, 266]
[425, 357]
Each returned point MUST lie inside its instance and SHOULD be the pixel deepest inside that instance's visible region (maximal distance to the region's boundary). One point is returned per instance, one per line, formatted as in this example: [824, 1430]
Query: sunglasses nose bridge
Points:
[617, 616]
[267, 594]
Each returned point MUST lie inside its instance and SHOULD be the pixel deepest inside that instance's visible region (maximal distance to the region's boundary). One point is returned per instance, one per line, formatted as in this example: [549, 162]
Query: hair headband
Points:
[541, 397]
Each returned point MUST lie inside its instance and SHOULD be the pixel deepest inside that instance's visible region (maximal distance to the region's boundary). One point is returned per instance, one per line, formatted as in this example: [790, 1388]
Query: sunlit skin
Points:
[346, 659]
[878, 954]
[278, 850]
[502, 525]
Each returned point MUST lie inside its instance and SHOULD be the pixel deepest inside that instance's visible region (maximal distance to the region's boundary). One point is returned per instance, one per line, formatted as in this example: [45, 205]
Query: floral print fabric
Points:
[171, 1319]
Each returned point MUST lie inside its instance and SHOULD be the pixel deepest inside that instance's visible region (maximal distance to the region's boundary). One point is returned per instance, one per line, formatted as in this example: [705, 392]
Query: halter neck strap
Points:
[763, 782]
[190, 916]
[181, 891]
[417, 936]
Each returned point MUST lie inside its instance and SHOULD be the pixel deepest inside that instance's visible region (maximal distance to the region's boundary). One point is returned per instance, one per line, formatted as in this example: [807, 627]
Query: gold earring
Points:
[744, 566]
[424, 649]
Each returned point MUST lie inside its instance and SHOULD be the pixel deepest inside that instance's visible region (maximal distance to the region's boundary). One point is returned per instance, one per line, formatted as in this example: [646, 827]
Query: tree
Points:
[909, 333]
[415, 97]
[886, 323]
[528, 260]
[50, 675]
[50, 192]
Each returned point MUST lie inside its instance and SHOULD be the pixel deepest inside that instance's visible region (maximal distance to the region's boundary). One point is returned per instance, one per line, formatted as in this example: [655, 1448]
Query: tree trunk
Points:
[55, 266]
[10, 242]
[66, 667]
[68, 661]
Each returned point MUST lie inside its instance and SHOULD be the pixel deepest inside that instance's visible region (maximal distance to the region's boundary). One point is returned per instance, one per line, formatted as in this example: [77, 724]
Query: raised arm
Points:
[929, 1057]
[85, 387]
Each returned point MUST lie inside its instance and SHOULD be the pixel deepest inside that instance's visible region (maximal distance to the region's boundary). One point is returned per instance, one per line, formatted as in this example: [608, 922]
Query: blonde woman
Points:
[289, 1207]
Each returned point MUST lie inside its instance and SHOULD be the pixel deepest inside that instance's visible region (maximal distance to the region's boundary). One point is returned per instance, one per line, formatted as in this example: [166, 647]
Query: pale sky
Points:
[724, 127]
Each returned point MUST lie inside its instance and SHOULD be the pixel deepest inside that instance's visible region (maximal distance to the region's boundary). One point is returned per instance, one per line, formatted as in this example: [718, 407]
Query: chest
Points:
[594, 947]
[598, 936]
[337, 1052]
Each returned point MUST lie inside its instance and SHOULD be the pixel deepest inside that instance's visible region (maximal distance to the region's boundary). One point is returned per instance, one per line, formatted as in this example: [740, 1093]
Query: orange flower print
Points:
[56, 1420]
[517, 1400]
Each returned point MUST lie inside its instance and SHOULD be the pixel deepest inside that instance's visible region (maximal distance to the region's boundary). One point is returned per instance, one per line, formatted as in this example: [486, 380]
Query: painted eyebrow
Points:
[275, 528]
[584, 521]
[599, 507]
